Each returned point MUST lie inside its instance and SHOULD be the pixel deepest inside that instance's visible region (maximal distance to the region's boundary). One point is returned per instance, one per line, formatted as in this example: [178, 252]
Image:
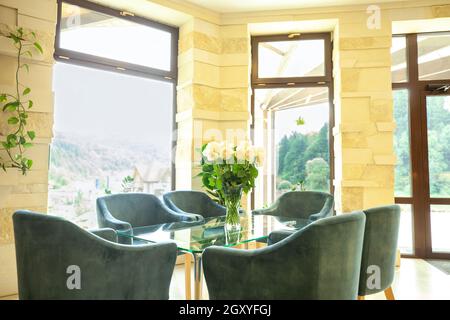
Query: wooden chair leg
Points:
[389, 294]
[361, 298]
[260, 245]
[187, 275]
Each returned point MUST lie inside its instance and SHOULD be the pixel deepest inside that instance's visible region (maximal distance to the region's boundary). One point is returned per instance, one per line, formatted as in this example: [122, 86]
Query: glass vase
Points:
[232, 196]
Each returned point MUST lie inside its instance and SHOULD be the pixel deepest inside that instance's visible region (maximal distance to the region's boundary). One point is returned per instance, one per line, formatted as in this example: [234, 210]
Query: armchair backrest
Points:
[137, 209]
[49, 250]
[321, 261]
[302, 204]
[196, 202]
[379, 249]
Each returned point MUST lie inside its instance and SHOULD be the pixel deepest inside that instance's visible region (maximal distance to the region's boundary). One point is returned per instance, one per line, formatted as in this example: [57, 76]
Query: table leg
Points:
[187, 275]
[197, 276]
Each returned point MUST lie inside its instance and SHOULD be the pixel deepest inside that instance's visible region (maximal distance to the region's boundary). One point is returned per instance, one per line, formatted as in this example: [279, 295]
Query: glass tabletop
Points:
[197, 236]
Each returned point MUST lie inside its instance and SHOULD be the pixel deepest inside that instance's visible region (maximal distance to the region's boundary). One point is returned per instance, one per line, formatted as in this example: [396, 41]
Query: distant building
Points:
[154, 178]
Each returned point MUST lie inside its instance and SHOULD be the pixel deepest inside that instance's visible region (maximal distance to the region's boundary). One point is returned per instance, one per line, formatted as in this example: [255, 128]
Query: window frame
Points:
[256, 40]
[295, 82]
[96, 62]
[93, 61]
[420, 199]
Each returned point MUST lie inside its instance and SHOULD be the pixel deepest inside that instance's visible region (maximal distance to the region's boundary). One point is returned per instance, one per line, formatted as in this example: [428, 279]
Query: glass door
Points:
[436, 108]
[421, 92]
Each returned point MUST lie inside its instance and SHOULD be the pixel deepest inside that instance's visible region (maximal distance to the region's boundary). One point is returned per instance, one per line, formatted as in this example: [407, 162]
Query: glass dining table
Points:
[194, 237]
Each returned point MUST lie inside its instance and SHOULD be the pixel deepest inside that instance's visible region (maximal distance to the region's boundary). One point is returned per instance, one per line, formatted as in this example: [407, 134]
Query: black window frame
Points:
[96, 62]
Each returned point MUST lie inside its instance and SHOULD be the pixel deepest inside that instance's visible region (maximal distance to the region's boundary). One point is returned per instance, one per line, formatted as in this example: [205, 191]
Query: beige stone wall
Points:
[364, 154]
[212, 93]
[30, 191]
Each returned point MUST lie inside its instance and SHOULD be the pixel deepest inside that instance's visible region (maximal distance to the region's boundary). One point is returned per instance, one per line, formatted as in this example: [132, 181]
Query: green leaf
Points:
[26, 66]
[12, 106]
[29, 163]
[38, 46]
[31, 134]
[5, 145]
[300, 121]
[11, 138]
[14, 37]
[27, 145]
[219, 184]
[30, 104]
[26, 91]
[205, 180]
[13, 120]
[22, 140]
[3, 97]
[33, 34]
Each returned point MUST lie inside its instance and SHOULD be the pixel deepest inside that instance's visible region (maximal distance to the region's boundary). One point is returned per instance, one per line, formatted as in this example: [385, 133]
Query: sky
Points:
[104, 104]
[315, 117]
[116, 39]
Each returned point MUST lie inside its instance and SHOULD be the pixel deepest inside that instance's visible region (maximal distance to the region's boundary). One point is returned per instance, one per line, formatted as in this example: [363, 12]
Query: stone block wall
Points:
[30, 191]
[364, 154]
[212, 93]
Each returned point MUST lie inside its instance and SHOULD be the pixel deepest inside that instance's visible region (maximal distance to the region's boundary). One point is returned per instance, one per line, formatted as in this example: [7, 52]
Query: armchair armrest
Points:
[272, 209]
[216, 209]
[277, 236]
[325, 212]
[181, 215]
[106, 220]
[105, 233]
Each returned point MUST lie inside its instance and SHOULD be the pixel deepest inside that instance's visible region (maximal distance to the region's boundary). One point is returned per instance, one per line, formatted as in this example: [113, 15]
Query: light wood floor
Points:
[415, 279]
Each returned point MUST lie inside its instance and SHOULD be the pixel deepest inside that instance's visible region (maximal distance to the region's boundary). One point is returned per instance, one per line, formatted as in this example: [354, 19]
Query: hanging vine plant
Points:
[15, 106]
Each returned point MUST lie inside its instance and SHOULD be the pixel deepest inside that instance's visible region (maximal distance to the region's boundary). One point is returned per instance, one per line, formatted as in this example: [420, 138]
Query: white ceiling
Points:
[227, 6]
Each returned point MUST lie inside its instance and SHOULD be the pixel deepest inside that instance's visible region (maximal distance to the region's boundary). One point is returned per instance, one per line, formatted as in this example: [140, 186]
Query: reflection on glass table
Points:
[195, 237]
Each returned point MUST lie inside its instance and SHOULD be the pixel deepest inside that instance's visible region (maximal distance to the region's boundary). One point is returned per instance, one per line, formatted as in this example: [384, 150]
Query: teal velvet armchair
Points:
[49, 250]
[193, 202]
[321, 261]
[379, 251]
[308, 205]
[129, 210]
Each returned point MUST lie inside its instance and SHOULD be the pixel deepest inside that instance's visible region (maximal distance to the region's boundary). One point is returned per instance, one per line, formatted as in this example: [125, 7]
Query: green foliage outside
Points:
[438, 119]
[303, 161]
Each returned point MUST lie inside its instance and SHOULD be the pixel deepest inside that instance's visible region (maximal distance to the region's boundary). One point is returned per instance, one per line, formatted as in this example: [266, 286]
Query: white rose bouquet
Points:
[228, 170]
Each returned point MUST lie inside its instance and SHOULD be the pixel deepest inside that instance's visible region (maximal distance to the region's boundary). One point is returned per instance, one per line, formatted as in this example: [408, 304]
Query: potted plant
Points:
[228, 171]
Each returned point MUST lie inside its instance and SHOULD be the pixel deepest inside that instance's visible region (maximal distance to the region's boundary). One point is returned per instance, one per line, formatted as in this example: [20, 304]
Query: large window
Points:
[113, 126]
[292, 113]
[112, 39]
[421, 82]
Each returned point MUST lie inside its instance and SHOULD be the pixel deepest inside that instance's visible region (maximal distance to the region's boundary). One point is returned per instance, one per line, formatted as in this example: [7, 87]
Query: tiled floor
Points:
[415, 279]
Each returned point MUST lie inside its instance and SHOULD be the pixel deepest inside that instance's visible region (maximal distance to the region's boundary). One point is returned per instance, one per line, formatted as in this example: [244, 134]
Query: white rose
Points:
[212, 151]
[227, 151]
[245, 152]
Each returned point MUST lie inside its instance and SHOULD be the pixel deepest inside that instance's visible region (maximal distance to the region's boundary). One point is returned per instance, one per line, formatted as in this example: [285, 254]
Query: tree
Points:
[317, 173]
[297, 149]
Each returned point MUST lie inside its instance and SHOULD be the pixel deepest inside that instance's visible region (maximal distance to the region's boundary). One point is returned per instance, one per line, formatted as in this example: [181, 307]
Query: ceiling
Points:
[228, 6]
